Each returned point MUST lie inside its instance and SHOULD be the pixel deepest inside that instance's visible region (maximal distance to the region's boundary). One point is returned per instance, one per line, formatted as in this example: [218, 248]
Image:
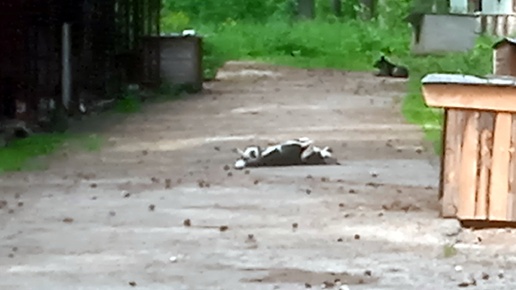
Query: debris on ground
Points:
[68, 220]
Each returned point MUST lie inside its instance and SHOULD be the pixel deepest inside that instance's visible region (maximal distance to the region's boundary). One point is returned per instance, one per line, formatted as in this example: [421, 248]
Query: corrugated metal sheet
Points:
[469, 80]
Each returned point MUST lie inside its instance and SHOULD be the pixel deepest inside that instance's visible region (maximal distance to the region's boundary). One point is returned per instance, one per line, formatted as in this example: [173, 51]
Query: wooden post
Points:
[468, 168]
[66, 73]
[454, 128]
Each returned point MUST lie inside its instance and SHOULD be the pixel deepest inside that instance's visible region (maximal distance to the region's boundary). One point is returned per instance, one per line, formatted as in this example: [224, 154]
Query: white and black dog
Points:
[299, 151]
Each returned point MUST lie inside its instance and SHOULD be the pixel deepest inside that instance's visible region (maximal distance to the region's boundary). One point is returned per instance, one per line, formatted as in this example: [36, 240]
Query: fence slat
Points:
[499, 183]
[511, 202]
[468, 168]
[483, 180]
[453, 140]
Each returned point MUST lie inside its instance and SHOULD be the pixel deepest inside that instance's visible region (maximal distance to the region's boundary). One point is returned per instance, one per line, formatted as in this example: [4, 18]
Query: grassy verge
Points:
[21, 154]
[350, 45]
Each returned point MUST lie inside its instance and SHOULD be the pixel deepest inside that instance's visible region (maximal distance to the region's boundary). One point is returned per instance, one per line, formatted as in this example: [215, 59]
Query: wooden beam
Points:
[479, 97]
[454, 131]
[499, 184]
[468, 168]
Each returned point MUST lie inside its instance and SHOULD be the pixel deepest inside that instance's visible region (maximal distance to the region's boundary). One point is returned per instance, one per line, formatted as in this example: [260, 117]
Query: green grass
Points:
[128, 103]
[15, 157]
[449, 251]
[21, 154]
[353, 45]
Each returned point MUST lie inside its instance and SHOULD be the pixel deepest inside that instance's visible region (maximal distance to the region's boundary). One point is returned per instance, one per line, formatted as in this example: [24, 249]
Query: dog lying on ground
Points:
[299, 151]
[388, 69]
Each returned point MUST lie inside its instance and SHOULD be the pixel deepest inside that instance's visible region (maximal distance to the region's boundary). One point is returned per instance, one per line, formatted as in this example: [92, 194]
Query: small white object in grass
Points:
[458, 268]
[239, 164]
[82, 108]
[344, 287]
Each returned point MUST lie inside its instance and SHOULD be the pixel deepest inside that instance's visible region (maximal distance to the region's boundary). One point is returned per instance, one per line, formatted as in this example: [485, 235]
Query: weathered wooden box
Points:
[504, 57]
[181, 60]
[478, 177]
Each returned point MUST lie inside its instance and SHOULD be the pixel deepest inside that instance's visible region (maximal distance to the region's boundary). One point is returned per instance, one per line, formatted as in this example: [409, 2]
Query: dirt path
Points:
[109, 219]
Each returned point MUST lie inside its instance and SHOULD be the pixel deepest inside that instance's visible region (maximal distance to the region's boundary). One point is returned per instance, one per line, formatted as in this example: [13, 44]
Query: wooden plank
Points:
[499, 183]
[483, 179]
[511, 202]
[454, 125]
[479, 97]
[441, 160]
[468, 168]
[485, 127]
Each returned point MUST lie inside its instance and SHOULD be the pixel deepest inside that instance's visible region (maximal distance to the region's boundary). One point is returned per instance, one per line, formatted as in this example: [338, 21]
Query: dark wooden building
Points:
[105, 49]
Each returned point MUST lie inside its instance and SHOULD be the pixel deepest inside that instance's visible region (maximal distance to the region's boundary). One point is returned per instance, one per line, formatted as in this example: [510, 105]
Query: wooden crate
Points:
[479, 165]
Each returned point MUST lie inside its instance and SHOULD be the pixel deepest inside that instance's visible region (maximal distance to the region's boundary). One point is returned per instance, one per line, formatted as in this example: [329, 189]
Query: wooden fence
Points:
[497, 24]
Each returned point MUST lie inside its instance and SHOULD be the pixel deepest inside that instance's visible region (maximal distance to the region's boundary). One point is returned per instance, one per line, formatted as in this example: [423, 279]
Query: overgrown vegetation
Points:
[268, 31]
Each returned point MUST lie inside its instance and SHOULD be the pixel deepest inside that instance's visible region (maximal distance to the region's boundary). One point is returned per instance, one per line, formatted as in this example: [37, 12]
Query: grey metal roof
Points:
[492, 80]
[505, 40]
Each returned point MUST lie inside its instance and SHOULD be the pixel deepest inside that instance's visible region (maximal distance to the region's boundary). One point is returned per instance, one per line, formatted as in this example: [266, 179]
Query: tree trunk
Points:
[306, 9]
[337, 7]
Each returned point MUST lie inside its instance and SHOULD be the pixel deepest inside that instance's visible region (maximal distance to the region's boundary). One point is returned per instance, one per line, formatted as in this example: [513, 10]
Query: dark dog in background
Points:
[388, 69]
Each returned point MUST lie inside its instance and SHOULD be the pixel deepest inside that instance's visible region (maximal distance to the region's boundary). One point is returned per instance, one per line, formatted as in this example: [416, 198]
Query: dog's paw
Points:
[240, 164]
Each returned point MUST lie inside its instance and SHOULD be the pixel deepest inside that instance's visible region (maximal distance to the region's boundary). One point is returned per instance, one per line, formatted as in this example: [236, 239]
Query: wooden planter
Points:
[479, 165]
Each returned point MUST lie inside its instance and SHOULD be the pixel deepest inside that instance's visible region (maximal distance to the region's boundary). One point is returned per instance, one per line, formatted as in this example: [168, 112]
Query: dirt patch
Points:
[309, 278]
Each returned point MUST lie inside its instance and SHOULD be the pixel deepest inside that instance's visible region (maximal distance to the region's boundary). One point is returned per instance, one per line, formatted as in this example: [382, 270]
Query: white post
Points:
[66, 74]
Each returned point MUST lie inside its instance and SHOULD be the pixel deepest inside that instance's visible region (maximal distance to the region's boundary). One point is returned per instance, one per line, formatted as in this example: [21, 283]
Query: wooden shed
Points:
[478, 177]
[504, 57]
